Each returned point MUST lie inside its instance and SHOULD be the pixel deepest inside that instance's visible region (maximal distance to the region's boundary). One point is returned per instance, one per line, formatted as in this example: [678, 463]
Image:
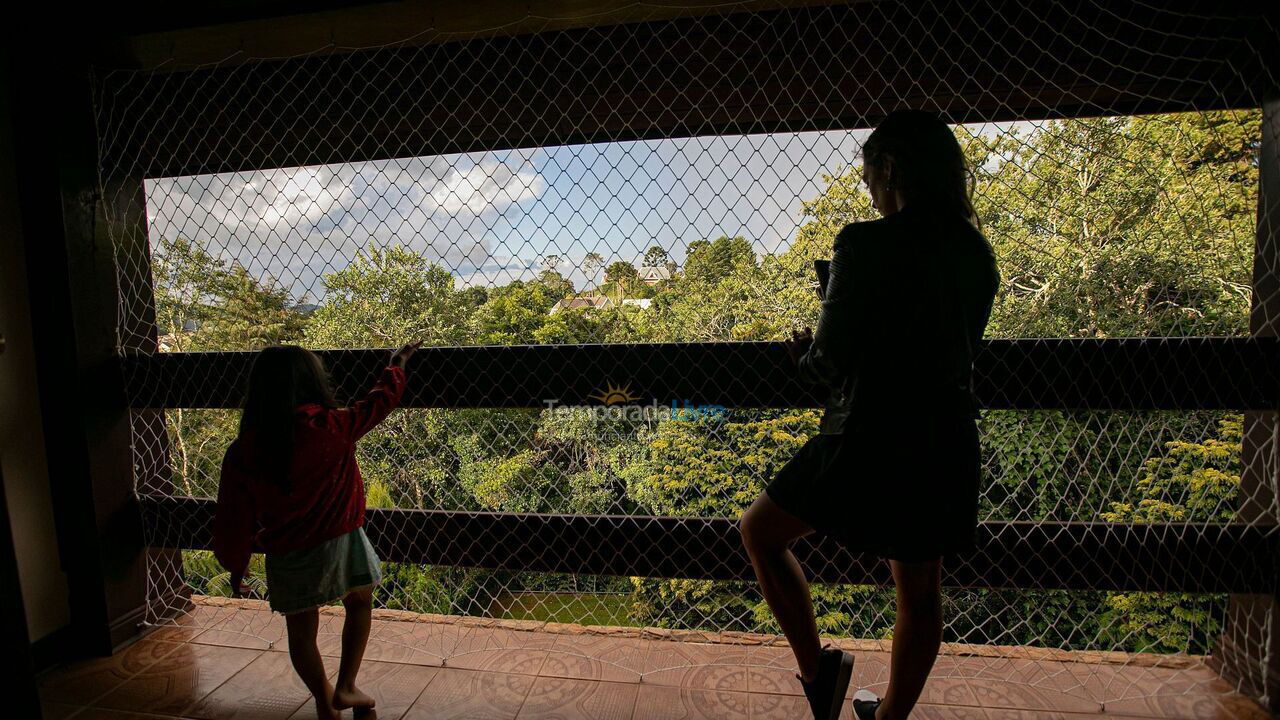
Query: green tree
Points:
[712, 261]
[621, 273]
[1093, 223]
[1191, 482]
[556, 284]
[620, 279]
[1103, 228]
[656, 256]
[514, 313]
[387, 297]
[591, 264]
[206, 303]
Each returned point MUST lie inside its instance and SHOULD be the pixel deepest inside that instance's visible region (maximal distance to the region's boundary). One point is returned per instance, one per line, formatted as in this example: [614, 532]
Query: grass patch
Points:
[583, 608]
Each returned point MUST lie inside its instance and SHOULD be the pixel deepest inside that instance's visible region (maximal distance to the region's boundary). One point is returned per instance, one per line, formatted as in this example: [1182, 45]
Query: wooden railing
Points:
[1113, 375]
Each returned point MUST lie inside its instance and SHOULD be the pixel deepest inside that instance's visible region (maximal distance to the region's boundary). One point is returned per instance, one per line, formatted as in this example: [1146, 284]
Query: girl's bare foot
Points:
[326, 711]
[351, 698]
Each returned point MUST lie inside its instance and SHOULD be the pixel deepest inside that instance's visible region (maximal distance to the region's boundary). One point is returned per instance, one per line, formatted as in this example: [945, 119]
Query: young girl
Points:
[290, 486]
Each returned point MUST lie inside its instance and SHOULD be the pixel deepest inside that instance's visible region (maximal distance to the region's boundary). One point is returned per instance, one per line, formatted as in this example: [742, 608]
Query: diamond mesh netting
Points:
[496, 191]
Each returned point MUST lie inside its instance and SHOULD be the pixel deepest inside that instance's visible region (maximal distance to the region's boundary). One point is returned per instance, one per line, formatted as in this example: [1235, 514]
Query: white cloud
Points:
[490, 218]
[486, 185]
[296, 224]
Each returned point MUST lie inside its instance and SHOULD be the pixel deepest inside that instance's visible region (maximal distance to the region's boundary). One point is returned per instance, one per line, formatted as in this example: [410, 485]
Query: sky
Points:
[494, 217]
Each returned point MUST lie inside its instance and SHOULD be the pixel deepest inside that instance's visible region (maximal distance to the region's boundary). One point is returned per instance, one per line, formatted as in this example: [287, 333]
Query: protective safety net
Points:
[669, 180]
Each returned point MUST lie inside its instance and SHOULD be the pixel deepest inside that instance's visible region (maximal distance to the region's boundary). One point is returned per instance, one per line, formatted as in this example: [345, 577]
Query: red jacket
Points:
[326, 497]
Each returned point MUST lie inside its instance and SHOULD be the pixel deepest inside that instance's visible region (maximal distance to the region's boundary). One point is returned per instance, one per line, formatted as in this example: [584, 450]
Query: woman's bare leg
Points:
[767, 534]
[355, 636]
[917, 635]
[305, 655]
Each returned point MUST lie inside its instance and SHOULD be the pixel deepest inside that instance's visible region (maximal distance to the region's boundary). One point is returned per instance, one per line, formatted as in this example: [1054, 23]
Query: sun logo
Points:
[615, 395]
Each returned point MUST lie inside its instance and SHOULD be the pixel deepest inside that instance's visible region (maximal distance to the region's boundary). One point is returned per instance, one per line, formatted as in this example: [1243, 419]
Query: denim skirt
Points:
[308, 578]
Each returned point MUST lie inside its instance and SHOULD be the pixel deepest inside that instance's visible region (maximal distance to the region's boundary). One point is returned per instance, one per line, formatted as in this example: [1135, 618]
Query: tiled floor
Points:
[222, 662]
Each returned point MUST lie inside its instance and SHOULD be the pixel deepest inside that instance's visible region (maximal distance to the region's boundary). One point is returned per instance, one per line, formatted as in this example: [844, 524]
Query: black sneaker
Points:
[826, 692]
[864, 705]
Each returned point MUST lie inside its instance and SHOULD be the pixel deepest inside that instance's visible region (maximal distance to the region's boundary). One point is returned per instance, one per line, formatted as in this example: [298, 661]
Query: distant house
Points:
[642, 303]
[171, 342]
[593, 302]
[652, 275]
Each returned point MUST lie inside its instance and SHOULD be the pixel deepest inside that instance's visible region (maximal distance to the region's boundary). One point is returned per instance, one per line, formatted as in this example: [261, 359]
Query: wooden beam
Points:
[1248, 652]
[791, 70]
[173, 37]
[1029, 555]
[1133, 374]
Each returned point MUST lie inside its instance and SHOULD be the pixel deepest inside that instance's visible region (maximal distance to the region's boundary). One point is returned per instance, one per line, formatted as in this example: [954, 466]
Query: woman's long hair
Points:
[283, 377]
[929, 166]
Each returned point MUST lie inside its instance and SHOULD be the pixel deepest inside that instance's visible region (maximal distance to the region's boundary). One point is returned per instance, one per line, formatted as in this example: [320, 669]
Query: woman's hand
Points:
[799, 344]
[401, 357]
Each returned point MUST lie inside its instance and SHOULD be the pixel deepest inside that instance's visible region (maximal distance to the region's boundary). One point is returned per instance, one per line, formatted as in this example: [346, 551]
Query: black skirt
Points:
[902, 487]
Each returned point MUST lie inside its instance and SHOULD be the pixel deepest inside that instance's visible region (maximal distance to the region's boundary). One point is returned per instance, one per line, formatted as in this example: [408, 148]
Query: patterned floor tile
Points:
[656, 702]
[179, 680]
[84, 682]
[468, 695]
[596, 658]
[266, 689]
[696, 665]
[553, 698]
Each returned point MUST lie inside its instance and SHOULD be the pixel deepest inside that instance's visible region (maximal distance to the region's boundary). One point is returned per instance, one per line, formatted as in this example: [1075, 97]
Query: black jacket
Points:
[906, 305]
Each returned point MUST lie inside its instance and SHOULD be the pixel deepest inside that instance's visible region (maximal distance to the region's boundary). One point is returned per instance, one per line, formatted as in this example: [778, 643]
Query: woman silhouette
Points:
[895, 469]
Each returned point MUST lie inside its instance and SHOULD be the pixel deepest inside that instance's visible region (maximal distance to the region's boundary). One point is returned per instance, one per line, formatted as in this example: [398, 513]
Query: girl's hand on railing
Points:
[401, 357]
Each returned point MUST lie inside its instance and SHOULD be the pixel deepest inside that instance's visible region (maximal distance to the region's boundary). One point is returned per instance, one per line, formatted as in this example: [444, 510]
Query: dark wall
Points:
[77, 387]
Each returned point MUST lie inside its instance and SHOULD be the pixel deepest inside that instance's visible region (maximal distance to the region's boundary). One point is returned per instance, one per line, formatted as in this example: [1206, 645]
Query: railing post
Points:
[122, 213]
[121, 231]
[1248, 652]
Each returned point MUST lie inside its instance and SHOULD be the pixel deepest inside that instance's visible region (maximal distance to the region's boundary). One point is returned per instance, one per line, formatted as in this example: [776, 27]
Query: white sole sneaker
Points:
[864, 697]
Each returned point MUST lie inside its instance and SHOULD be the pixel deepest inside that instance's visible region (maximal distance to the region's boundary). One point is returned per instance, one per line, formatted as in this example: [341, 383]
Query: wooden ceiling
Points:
[797, 68]
[173, 36]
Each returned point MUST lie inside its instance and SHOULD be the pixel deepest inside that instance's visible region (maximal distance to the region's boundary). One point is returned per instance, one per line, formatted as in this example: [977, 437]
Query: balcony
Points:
[228, 659]
[223, 190]
[1077, 569]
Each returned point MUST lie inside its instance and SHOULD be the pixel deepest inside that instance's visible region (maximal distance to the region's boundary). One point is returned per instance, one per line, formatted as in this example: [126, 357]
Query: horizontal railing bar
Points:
[1193, 557]
[1197, 373]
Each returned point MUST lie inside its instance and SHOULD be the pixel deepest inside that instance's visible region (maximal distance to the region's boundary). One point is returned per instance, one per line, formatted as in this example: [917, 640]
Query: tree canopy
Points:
[1107, 227]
